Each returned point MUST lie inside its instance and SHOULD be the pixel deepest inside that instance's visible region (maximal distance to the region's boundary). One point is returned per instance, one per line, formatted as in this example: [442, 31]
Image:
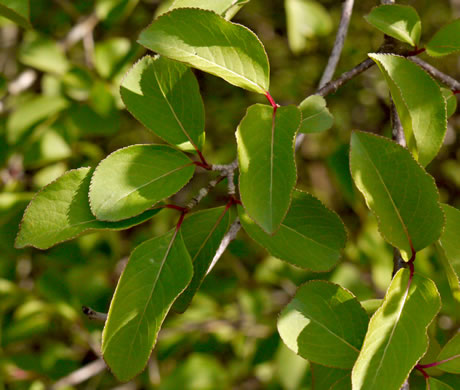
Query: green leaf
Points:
[400, 193]
[111, 11]
[311, 236]
[266, 162]
[30, 113]
[449, 246]
[60, 212]
[315, 115]
[445, 41]
[435, 384]
[342, 384]
[326, 377]
[450, 355]
[397, 338]
[208, 42]
[202, 232]
[16, 10]
[419, 102]
[324, 323]
[45, 54]
[398, 21]
[133, 179]
[172, 90]
[371, 305]
[306, 19]
[158, 270]
[451, 101]
[225, 8]
[109, 54]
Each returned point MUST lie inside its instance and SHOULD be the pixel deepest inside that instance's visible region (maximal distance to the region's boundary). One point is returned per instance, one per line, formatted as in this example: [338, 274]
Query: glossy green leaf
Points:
[419, 102]
[16, 10]
[398, 21]
[133, 179]
[158, 270]
[435, 384]
[225, 8]
[445, 41]
[45, 54]
[30, 113]
[323, 378]
[401, 194]
[306, 19]
[315, 115]
[202, 232]
[325, 324]
[342, 384]
[449, 245]
[450, 356]
[311, 236]
[266, 162]
[60, 212]
[207, 41]
[171, 90]
[385, 360]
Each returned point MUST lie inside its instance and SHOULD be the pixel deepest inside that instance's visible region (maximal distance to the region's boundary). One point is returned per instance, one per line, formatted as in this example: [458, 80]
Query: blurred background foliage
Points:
[70, 115]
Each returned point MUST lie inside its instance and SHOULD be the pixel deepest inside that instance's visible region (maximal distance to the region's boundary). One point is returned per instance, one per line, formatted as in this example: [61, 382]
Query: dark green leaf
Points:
[419, 102]
[171, 89]
[450, 356]
[207, 41]
[445, 41]
[315, 115]
[202, 231]
[398, 21]
[133, 179]
[266, 162]
[60, 212]
[16, 10]
[311, 236]
[397, 338]
[399, 192]
[158, 270]
[325, 324]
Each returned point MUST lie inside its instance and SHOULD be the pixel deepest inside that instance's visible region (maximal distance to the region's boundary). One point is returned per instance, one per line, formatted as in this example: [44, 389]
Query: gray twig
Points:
[228, 238]
[81, 375]
[332, 86]
[93, 314]
[436, 73]
[338, 44]
[80, 30]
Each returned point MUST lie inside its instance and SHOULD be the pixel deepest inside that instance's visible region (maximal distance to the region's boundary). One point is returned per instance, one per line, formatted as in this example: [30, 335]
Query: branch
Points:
[80, 30]
[81, 375]
[229, 237]
[436, 73]
[333, 86]
[93, 314]
[338, 44]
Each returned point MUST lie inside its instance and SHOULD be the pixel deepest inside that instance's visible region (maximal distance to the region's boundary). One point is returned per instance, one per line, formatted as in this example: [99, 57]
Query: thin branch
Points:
[80, 30]
[81, 375]
[436, 73]
[228, 238]
[338, 44]
[93, 314]
[397, 128]
[228, 171]
[333, 86]
[204, 192]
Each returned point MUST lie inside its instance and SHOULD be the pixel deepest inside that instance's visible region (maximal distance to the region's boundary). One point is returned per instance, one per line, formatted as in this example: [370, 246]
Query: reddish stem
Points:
[181, 219]
[456, 91]
[424, 373]
[272, 101]
[204, 165]
[174, 207]
[415, 52]
[434, 364]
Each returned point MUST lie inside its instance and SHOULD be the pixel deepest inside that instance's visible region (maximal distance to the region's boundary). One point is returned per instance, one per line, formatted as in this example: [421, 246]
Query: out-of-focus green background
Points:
[71, 116]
